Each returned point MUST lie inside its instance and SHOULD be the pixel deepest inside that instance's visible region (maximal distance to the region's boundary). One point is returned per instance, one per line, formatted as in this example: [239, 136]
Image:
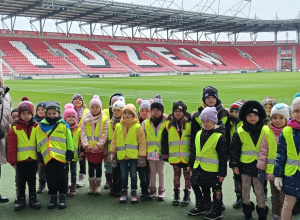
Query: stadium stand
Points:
[5, 70]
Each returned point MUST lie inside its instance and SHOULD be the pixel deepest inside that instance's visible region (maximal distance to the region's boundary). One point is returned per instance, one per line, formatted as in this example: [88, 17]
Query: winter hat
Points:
[295, 96]
[157, 103]
[252, 107]
[53, 105]
[296, 104]
[237, 105]
[113, 99]
[282, 109]
[269, 101]
[43, 104]
[118, 105]
[69, 111]
[144, 103]
[209, 91]
[14, 110]
[25, 105]
[209, 113]
[77, 96]
[179, 105]
[96, 101]
[131, 108]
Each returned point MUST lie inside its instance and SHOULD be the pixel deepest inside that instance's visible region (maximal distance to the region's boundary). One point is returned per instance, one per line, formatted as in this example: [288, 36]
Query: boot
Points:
[262, 213]
[3, 199]
[97, 190]
[21, 203]
[81, 180]
[33, 203]
[53, 202]
[216, 211]
[112, 191]
[108, 183]
[238, 202]
[247, 210]
[144, 193]
[152, 194]
[134, 198]
[186, 198]
[124, 196]
[41, 187]
[118, 192]
[296, 209]
[207, 203]
[161, 194]
[62, 201]
[176, 199]
[199, 208]
[92, 186]
[73, 190]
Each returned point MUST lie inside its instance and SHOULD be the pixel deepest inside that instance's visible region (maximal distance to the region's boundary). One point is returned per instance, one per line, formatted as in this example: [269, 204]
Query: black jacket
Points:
[236, 147]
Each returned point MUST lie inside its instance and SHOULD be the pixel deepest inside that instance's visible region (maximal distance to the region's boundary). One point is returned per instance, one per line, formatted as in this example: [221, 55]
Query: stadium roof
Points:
[116, 13]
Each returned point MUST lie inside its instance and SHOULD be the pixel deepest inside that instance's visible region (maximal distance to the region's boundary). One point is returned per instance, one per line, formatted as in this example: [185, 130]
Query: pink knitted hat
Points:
[96, 101]
[69, 111]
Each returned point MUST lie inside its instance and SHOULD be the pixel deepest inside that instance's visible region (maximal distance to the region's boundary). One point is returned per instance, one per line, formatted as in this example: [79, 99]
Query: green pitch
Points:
[231, 87]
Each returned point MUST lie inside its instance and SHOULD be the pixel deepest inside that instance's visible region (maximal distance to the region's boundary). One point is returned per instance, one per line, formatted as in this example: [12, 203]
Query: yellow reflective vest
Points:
[93, 142]
[129, 146]
[110, 135]
[154, 141]
[270, 137]
[249, 152]
[293, 159]
[207, 157]
[179, 147]
[76, 138]
[86, 110]
[234, 127]
[26, 148]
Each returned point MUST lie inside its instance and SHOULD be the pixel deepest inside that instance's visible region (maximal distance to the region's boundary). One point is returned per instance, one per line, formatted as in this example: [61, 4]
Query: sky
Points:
[261, 9]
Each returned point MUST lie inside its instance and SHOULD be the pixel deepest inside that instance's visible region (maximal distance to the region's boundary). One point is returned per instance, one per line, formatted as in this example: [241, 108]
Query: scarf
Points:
[79, 114]
[52, 121]
[294, 124]
[277, 131]
[115, 120]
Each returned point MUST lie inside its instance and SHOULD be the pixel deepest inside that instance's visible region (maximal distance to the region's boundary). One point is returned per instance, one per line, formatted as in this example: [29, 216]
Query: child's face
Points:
[268, 109]
[71, 120]
[156, 113]
[252, 118]
[41, 112]
[15, 116]
[144, 113]
[127, 115]
[234, 113]
[178, 114]
[77, 102]
[117, 113]
[296, 115]
[51, 113]
[208, 124]
[26, 116]
[278, 120]
[210, 101]
[95, 110]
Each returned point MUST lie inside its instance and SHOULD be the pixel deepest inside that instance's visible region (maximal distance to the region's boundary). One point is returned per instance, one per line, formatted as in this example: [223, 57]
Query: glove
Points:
[113, 159]
[261, 176]
[141, 162]
[278, 183]
[165, 157]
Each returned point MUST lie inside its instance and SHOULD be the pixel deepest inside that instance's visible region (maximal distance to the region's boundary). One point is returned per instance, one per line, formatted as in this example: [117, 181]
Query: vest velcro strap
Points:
[175, 143]
[29, 148]
[293, 162]
[121, 148]
[177, 154]
[62, 152]
[207, 160]
[57, 139]
[42, 142]
[151, 143]
[109, 141]
[90, 138]
[250, 153]
[271, 161]
[130, 146]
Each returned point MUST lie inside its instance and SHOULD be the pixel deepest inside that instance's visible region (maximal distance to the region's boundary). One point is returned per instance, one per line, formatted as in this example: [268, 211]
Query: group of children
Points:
[261, 143]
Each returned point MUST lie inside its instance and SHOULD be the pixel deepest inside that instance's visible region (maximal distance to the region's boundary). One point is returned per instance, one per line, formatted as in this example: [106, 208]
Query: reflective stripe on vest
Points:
[129, 147]
[249, 152]
[26, 148]
[293, 159]
[154, 141]
[270, 137]
[76, 143]
[86, 110]
[179, 147]
[55, 146]
[207, 157]
[93, 143]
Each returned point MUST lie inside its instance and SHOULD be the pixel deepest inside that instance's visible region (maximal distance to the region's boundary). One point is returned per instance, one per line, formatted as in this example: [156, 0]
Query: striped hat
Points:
[237, 105]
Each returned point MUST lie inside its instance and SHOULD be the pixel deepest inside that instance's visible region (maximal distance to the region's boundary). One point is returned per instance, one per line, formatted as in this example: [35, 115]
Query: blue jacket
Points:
[291, 184]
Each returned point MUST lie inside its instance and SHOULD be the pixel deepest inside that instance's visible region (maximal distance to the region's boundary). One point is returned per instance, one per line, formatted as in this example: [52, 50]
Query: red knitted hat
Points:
[237, 105]
[25, 105]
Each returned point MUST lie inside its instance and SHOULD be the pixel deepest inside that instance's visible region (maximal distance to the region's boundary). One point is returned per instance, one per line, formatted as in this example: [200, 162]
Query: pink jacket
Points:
[264, 151]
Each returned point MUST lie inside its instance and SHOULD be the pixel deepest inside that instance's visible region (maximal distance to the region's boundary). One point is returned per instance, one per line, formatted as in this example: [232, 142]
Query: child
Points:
[244, 155]
[153, 128]
[22, 155]
[116, 180]
[268, 104]
[209, 162]
[235, 123]
[278, 120]
[129, 146]
[81, 110]
[94, 133]
[55, 146]
[14, 115]
[70, 117]
[39, 116]
[175, 145]
[286, 170]
[144, 172]
[210, 98]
